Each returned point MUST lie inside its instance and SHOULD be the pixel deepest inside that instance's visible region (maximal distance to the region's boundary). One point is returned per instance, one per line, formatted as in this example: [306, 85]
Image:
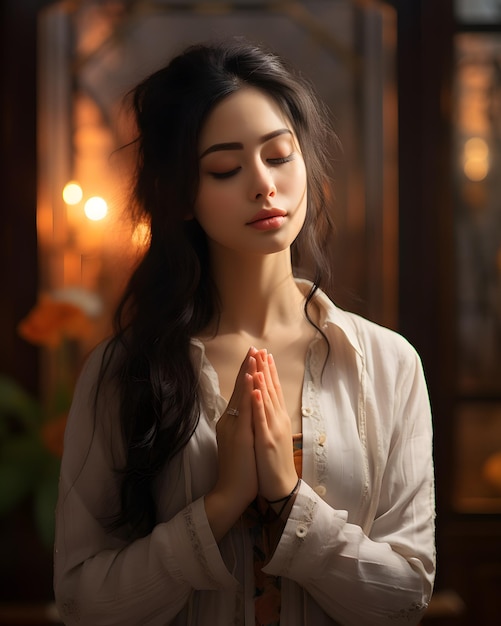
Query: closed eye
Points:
[228, 174]
[281, 160]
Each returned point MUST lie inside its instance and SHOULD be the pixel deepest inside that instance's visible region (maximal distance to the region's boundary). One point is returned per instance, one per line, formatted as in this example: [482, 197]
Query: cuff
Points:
[195, 552]
[313, 529]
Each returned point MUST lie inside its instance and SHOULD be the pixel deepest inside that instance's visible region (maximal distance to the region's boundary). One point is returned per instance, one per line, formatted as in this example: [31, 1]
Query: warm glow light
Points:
[476, 159]
[141, 234]
[476, 147]
[96, 208]
[72, 193]
[476, 169]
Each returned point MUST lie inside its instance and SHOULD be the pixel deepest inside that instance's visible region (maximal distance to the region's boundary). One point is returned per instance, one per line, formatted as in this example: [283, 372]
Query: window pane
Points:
[478, 458]
[484, 11]
[477, 178]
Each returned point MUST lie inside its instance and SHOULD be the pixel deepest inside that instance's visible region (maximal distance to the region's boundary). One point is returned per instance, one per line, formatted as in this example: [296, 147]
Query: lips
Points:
[266, 214]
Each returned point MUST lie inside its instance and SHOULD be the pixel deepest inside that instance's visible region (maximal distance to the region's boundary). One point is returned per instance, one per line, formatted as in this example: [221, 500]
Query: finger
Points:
[246, 413]
[241, 420]
[264, 367]
[264, 396]
[275, 380]
[258, 413]
[248, 366]
[261, 359]
[252, 365]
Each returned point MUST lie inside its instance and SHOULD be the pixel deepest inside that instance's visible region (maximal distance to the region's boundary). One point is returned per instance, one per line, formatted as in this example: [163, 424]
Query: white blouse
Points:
[357, 548]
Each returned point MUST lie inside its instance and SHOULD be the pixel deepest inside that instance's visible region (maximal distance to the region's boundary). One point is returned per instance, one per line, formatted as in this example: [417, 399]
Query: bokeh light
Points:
[72, 193]
[96, 208]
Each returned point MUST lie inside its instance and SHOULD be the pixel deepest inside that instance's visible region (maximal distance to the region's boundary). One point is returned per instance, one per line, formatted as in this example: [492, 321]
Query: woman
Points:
[242, 451]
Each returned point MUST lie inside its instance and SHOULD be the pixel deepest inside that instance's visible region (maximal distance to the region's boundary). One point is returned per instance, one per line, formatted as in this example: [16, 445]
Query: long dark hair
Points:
[170, 297]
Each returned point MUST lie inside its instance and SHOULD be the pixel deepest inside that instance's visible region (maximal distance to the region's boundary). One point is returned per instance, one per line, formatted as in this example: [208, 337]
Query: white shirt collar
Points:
[330, 314]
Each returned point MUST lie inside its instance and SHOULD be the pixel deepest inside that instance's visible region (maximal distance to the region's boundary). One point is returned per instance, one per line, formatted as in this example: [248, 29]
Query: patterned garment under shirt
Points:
[266, 528]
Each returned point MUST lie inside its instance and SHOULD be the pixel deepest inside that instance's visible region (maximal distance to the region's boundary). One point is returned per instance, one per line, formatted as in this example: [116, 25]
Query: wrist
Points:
[282, 506]
[223, 510]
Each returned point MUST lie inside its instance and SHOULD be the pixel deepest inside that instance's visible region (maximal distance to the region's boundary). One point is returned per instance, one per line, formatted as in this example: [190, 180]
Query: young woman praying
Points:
[242, 451]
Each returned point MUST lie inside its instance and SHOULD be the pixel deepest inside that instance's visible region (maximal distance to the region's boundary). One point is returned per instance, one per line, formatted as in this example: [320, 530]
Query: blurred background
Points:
[414, 89]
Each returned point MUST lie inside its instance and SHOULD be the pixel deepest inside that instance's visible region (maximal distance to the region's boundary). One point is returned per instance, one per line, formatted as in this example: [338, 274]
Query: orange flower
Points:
[52, 434]
[50, 321]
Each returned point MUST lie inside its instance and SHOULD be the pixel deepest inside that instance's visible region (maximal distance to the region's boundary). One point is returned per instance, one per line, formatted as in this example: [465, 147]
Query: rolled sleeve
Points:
[194, 550]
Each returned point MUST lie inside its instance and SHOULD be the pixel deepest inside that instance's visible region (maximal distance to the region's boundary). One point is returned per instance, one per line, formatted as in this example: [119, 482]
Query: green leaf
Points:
[16, 402]
[45, 503]
[62, 399]
[22, 462]
[15, 485]
[25, 450]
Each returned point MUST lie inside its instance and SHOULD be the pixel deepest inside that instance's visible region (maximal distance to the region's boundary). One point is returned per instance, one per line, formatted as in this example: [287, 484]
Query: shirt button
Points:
[301, 531]
[320, 490]
[306, 411]
[322, 439]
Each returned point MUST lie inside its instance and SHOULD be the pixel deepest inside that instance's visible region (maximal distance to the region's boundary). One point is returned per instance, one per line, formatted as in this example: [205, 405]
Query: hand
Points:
[236, 485]
[276, 471]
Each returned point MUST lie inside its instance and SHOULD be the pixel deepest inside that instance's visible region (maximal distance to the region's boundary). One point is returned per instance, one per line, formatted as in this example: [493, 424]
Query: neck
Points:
[256, 293]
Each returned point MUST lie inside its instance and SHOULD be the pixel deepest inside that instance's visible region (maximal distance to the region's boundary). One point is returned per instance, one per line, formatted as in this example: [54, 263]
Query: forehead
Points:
[243, 116]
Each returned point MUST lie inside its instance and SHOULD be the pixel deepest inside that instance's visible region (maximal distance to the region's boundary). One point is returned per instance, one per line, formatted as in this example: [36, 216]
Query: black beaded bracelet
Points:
[285, 498]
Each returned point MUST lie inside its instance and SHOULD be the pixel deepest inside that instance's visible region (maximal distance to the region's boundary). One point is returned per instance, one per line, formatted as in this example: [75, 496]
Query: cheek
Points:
[301, 186]
[205, 201]
[212, 207]
[304, 175]
[301, 193]
[298, 177]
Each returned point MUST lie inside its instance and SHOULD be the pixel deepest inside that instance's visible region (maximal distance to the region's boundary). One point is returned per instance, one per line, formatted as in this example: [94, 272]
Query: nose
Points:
[263, 183]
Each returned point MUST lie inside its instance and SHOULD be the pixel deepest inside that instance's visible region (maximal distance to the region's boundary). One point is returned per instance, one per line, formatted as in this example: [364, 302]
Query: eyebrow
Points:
[236, 145]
